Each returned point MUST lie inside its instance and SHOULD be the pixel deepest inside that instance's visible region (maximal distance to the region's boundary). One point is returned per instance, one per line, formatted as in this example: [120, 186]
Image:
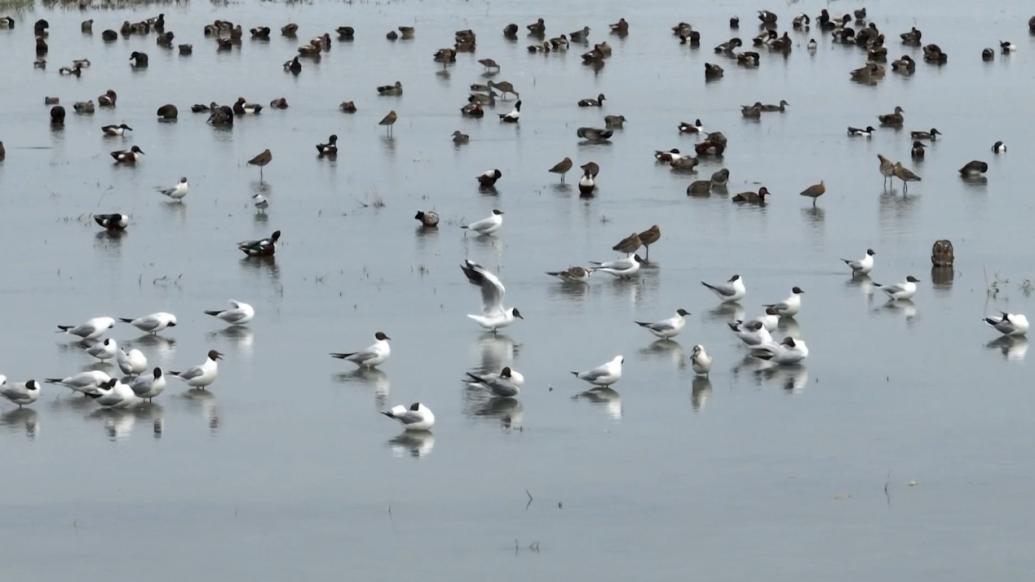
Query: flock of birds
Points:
[140, 383]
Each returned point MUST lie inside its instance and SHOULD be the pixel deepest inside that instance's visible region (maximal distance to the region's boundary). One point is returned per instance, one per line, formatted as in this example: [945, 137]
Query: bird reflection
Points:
[163, 346]
[666, 348]
[509, 411]
[21, 417]
[369, 378]
[240, 336]
[906, 307]
[571, 290]
[204, 402]
[109, 240]
[815, 216]
[1013, 348]
[864, 283]
[117, 423]
[611, 400]
[153, 413]
[729, 311]
[563, 188]
[789, 326]
[700, 392]
[496, 351]
[793, 379]
[416, 443]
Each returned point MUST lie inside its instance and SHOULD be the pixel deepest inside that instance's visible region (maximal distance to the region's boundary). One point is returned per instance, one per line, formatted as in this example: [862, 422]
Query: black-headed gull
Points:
[149, 385]
[487, 225]
[153, 323]
[91, 329]
[900, 291]
[700, 361]
[506, 384]
[603, 375]
[667, 328]
[788, 307]
[415, 418]
[178, 191]
[752, 333]
[494, 315]
[372, 355]
[204, 375]
[787, 352]
[104, 350]
[84, 382]
[115, 394]
[239, 313]
[132, 363]
[862, 266]
[1009, 324]
[20, 393]
[624, 268]
[732, 290]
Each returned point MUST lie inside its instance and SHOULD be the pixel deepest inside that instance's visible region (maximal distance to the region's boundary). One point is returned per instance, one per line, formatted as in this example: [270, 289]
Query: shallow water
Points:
[900, 450]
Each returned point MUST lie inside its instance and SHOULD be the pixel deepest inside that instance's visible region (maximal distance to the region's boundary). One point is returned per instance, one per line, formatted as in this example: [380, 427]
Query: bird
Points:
[489, 64]
[667, 328]
[649, 237]
[371, 356]
[887, 169]
[494, 315]
[506, 384]
[695, 127]
[393, 90]
[242, 107]
[900, 291]
[666, 157]
[751, 197]
[815, 191]
[115, 130]
[732, 290]
[572, 274]
[150, 385]
[238, 314]
[460, 138]
[614, 121]
[862, 266]
[591, 168]
[260, 202]
[264, 247]
[153, 323]
[329, 149]
[487, 225]
[603, 375]
[204, 375]
[20, 393]
[918, 151]
[112, 222]
[104, 350]
[904, 174]
[427, 218]
[562, 167]
[623, 268]
[514, 115]
[629, 244]
[598, 102]
[788, 307]
[82, 382]
[860, 132]
[788, 352]
[129, 156]
[974, 169]
[1009, 324]
[177, 192]
[416, 418]
[925, 135]
[132, 362]
[1007, 47]
[505, 88]
[999, 148]
[700, 361]
[388, 121]
[894, 119]
[90, 329]
[488, 178]
[594, 134]
[719, 179]
[262, 160]
[115, 394]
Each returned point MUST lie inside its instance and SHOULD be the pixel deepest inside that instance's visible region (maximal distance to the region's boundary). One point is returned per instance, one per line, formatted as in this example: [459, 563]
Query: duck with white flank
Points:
[514, 116]
[242, 107]
[494, 315]
[264, 247]
[329, 149]
[860, 132]
[115, 130]
[201, 377]
[427, 218]
[370, 357]
[974, 169]
[115, 222]
[696, 127]
[598, 102]
[128, 157]
[488, 178]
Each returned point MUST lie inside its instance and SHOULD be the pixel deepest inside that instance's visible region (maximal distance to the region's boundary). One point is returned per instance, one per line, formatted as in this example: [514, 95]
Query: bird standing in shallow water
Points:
[815, 191]
[388, 121]
[261, 160]
[562, 168]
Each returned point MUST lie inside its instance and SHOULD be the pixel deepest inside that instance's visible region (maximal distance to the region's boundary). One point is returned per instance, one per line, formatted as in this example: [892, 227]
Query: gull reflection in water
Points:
[153, 413]
[496, 351]
[204, 402]
[20, 418]
[611, 400]
[163, 347]
[728, 311]
[479, 403]
[1013, 348]
[864, 283]
[369, 378]
[793, 379]
[416, 443]
[666, 348]
[700, 392]
[905, 307]
[240, 336]
[118, 423]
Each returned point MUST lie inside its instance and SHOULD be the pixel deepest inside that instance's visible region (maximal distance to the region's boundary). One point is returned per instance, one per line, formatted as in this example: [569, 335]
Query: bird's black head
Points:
[912, 279]
[136, 150]
[517, 313]
[505, 372]
[788, 341]
[214, 355]
[333, 138]
[497, 173]
[420, 215]
[870, 252]
[124, 126]
[497, 212]
[415, 406]
[275, 236]
[380, 336]
[682, 312]
[157, 373]
[734, 278]
[31, 385]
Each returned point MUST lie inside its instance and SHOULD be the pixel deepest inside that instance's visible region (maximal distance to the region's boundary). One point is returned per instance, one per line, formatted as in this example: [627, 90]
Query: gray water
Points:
[900, 450]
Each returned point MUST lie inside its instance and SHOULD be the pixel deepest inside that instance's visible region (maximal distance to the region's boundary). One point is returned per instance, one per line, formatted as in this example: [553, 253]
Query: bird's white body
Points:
[92, 328]
[623, 268]
[861, 267]
[415, 418]
[200, 376]
[494, 315]
[84, 382]
[788, 352]
[154, 323]
[769, 320]
[372, 355]
[117, 396]
[752, 333]
[494, 321]
[604, 375]
[1010, 324]
[239, 313]
[486, 225]
[20, 393]
[149, 385]
[666, 328]
[700, 361]
[900, 291]
[177, 192]
[132, 362]
[732, 290]
[505, 384]
[104, 350]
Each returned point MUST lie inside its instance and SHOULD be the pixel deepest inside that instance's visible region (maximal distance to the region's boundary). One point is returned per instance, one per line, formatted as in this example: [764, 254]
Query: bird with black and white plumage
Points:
[666, 157]
[587, 184]
[104, 350]
[20, 393]
[414, 419]
[1007, 47]
[860, 131]
[667, 328]
[931, 135]
[239, 313]
[329, 149]
[696, 127]
[732, 290]
[260, 202]
[918, 151]
[788, 307]
[427, 218]
[749, 197]
[788, 352]
[624, 268]
[263, 247]
[488, 178]
[83, 382]
[242, 107]
[487, 225]
[900, 291]
[149, 386]
[593, 102]
[201, 376]
[604, 375]
[177, 192]
[974, 169]
[371, 356]
[154, 323]
[115, 130]
[494, 315]
[514, 115]
[92, 328]
[861, 266]
[572, 274]
[999, 148]
[1009, 324]
[504, 384]
[129, 156]
[112, 222]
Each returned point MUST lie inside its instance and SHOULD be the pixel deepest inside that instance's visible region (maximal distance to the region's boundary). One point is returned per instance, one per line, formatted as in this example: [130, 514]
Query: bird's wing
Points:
[491, 286]
[13, 392]
[724, 290]
[409, 417]
[147, 323]
[192, 373]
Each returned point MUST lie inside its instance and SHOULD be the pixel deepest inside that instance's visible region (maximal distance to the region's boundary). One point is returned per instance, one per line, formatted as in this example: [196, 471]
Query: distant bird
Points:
[279, 103]
[82, 382]
[149, 386]
[757, 198]
[1007, 47]
[603, 375]
[488, 178]
[904, 174]
[514, 115]
[695, 127]
[329, 149]
[238, 314]
[112, 222]
[620, 28]
[393, 90]
[629, 244]
[132, 362]
[153, 323]
[370, 357]
[926, 135]
[887, 169]
[666, 157]
[242, 107]
[427, 218]
[506, 384]
[416, 418]
[265, 247]
[128, 157]
[624, 268]
[537, 28]
[732, 290]
[494, 315]
[649, 237]
[260, 202]
[999, 148]
[460, 138]
[138, 60]
[348, 107]
[594, 134]
[667, 328]
[788, 307]
[20, 393]
[104, 350]
[201, 376]
[614, 121]
[894, 119]
[108, 99]
[974, 169]
[700, 361]
[815, 191]
[261, 160]
[3, 152]
[489, 64]
[862, 266]
[587, 184]
[900, 291]
[591, 168]
[699, 187]
[1009, 324]
[388, 121]
[167, 113]
[918, 151]
[911, 38]
[294, 66]
[860, 132]
[115, 130]
[177, 192]
[488, 225]
[562, 168]
[598, 102]
[788, 352]
[90, 329]
[572, 275]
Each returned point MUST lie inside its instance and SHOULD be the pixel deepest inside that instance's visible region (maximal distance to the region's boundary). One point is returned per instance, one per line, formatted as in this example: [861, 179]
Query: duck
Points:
[242, 107]
[748, 59]
[751, 111]
[112, 222]
[935, 55]
[918, 151]
[987, 55]
[782, 43]
[289, 30]
[999, 148]
[620, 28]
[812, 46]
[712, 72]
[537, 28]
[594, 134]
[472, 108]
[562, 167]
[129, 156]
[265, 247]
[260, 33]
[734, 23]
[781, 107]
[427, 218]
[108, 99]
[860, 132]
[974, 169]
[614, 121]
[684, 164]
[83, 107]
[329, 149]
[488, 178]
[348, 107]
[581, 35]
[699, 187]
[279, 103]
[514, 116]
[167, 112]
[926, 135]
[444, 56]
[393, 90]
[57, 115]
[220, 115]
[598, 102]
[185, 49]
[892, 119]
[696, 127]
[766, 17]
[510, 31]
[720, 178]
[904, 65]
[138, 60]
[815, 191]
[587, 184]
[666, 157]
[757, 198]
[801, 22]
[73, 70]
[115, 130]
[460, 138]
[911, 38]
[1007, 47]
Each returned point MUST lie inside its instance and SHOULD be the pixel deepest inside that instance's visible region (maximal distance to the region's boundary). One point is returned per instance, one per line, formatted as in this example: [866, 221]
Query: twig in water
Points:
[530, 499]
